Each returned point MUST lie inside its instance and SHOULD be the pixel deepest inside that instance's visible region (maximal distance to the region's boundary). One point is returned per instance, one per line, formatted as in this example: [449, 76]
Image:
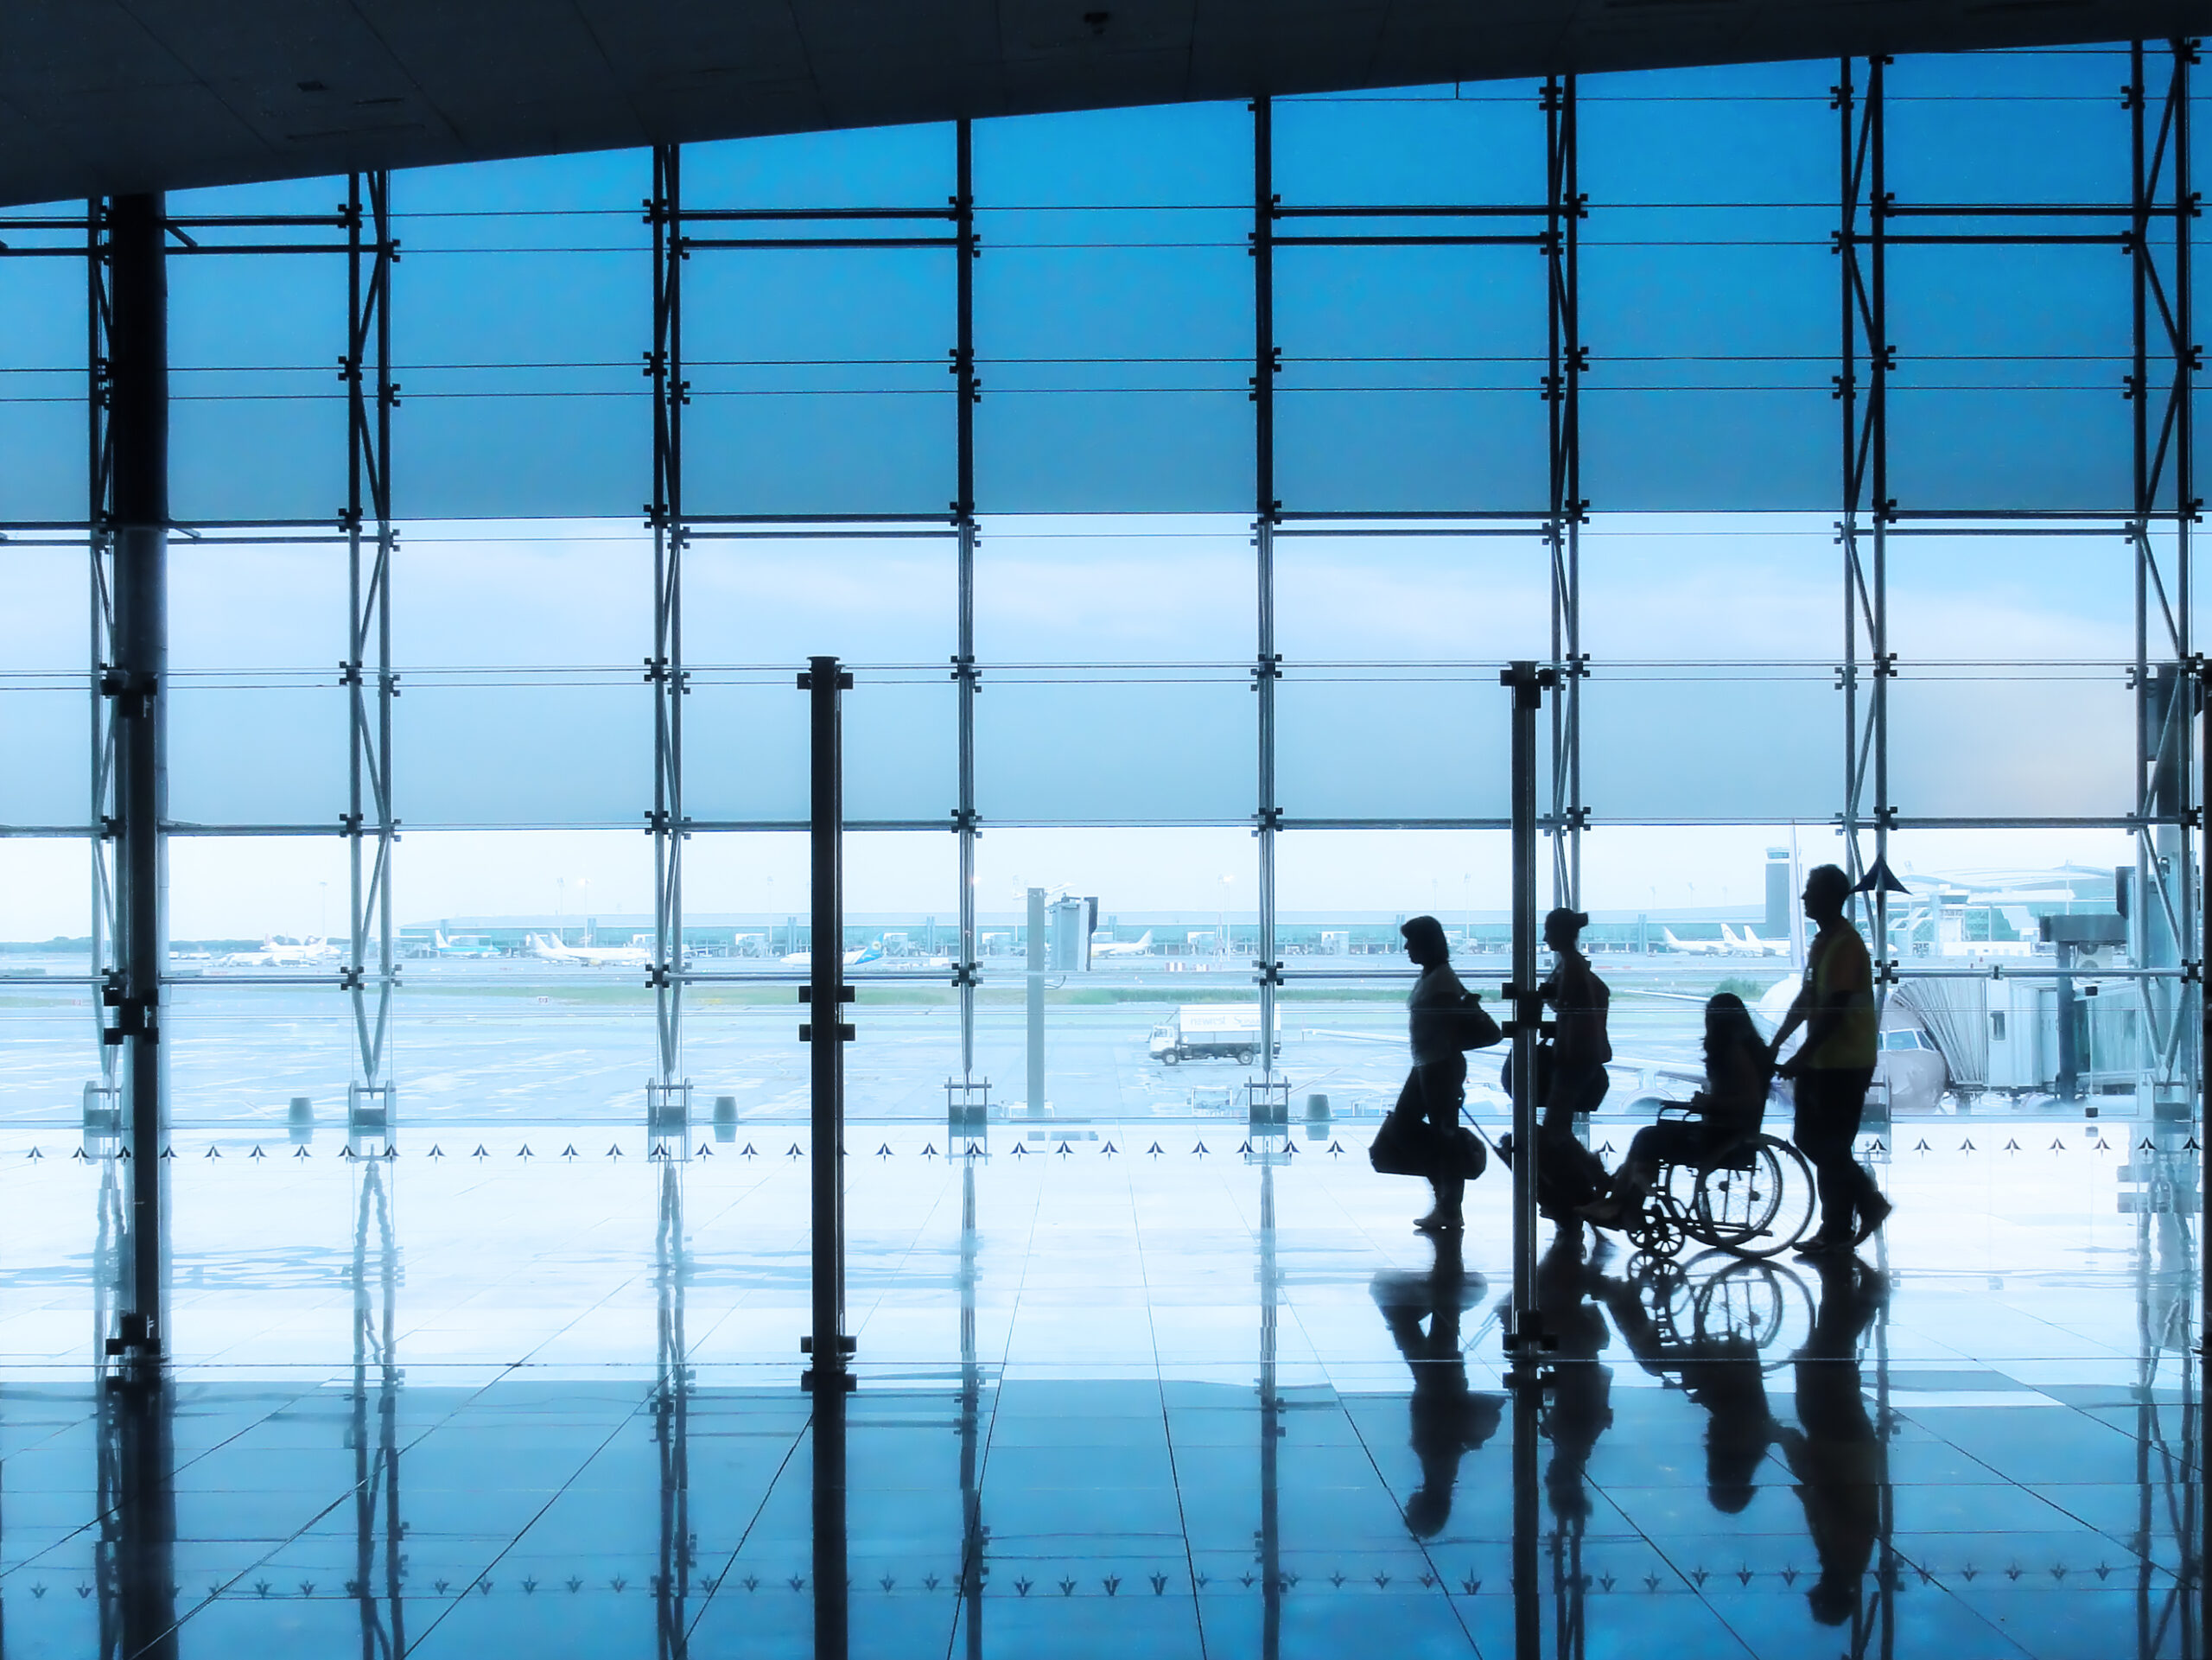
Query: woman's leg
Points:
[1443, 1087]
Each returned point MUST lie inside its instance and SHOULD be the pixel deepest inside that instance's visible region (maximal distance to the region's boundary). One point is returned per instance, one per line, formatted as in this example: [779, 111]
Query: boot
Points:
[1444, 1215]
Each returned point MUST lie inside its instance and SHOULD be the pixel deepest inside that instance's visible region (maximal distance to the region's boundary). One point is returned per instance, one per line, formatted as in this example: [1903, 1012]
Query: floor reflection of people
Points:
[1834, 1453]
[1449, 1419]
[1581, 1407]
[1719, 1372]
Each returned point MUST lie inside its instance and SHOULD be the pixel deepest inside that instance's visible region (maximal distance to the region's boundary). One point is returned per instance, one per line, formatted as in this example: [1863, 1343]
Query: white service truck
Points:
[1197, 1031]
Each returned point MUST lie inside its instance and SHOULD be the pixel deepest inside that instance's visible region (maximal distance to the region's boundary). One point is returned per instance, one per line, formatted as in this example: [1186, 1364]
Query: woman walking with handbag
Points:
[1443, 1019]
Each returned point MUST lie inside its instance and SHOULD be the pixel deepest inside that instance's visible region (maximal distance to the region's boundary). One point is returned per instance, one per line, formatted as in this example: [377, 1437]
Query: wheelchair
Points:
[1756, 1200]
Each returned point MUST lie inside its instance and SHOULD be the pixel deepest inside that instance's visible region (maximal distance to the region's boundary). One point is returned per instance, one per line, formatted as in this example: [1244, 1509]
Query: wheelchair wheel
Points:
[1758, 1304]
[1757, 1211]
[1657, 1232]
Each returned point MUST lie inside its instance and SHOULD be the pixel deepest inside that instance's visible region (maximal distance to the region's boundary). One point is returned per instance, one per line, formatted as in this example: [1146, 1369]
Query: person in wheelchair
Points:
[1725, 1115]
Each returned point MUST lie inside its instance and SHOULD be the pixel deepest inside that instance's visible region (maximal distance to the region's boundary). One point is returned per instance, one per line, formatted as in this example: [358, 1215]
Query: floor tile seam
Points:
[1168, 1430]
[2010, 1647]
[216, 1590]
[515, 1538]
[745, 1535]
[1006, 1348]
[906, 1253]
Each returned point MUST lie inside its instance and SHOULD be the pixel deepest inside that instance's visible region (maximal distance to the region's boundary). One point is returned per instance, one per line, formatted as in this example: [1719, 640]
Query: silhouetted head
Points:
[1827, 891]
[1728, 1027]
[1428, 1511]
[1832, 1601]
[1562, 927]
[1425, 941]
[1731, 1458]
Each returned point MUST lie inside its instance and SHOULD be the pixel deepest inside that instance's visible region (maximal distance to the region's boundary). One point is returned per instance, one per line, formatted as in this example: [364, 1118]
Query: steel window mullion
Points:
[666, 671]
[368, 531]
[1564, 210]
[1267, 666]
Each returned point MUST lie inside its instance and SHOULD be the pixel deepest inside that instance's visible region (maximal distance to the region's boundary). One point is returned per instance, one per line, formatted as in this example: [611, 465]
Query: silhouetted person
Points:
[1443, 1019]
[1726, 1114]
[1836, 1456]
[1570, 1075]
[1449, 1419]
[1832, 1071]
[1581, 1407]
[1579, 1046]
[1719, 1372]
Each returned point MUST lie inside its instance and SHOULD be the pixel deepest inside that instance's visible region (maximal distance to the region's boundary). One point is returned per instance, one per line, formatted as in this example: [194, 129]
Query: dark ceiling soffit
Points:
[64, 134]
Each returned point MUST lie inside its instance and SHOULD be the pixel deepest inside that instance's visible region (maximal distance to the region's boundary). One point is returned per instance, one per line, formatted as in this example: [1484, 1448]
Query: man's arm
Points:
[1800, 1007]
[1821, 1020]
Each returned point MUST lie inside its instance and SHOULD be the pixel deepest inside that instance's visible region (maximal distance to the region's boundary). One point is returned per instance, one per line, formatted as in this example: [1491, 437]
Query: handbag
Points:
[1409, 1146]
[1472, 1027]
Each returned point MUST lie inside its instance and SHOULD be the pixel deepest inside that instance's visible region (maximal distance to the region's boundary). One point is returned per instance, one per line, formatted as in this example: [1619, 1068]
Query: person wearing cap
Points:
[1832, 1068]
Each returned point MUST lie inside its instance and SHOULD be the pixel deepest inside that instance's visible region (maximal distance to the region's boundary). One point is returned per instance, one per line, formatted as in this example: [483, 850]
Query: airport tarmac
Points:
[511, 1040]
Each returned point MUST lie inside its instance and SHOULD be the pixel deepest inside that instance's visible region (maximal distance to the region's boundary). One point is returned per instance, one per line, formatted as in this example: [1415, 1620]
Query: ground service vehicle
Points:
[1202, 1031]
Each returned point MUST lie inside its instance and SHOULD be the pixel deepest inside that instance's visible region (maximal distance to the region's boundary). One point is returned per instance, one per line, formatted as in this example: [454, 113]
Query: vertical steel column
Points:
[1525, 1340]
[664, 670]
[1266, 669]
[830, 1377]
[1565, 207]
[826, 994]
[139, 426]
[371, 829]
[967, 972]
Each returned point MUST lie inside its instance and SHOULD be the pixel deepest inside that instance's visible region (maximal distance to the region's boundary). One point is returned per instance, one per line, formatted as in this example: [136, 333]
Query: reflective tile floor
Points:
[1111, 1400]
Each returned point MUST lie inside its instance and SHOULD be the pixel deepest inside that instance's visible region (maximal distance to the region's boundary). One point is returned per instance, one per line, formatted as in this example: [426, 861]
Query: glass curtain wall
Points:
[1177, 483]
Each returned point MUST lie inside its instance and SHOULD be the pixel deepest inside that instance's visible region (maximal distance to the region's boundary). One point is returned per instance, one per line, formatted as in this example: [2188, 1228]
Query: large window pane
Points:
[522, 309]
[1114, 307]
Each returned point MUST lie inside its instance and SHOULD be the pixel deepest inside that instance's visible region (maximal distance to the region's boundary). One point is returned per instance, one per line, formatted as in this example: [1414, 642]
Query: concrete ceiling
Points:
[109, 96]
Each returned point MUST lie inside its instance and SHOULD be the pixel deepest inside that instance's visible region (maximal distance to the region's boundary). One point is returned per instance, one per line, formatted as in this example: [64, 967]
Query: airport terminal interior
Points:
[705, 838]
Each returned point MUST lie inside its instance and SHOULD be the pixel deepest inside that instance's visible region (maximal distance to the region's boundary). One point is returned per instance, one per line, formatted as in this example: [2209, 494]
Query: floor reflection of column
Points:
[376, 1447]
[2168, 1612]
[672, 1423]
[135, 1560]
[1875, 1629]
[1270, 1428]
[832, 1574]
[972, 1566]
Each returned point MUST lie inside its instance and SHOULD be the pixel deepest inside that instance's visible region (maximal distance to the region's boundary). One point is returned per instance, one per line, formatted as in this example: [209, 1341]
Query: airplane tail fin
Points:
[1144, 944]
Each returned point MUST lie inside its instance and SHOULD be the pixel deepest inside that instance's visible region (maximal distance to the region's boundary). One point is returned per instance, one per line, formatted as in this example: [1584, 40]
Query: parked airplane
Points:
[590, 957]
[1122, 948]
[1695, 947]
[280, 952]
[1751, 943]
[868, 953]
[466, 945]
